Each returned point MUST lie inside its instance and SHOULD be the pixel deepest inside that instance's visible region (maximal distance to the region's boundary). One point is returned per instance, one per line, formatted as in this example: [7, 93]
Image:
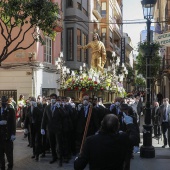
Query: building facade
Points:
[84, 17]
[76, 31]
[162, 14]
[30, 72]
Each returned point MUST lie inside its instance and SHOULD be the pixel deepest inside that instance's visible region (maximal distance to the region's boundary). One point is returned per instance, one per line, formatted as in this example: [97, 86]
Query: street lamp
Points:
[147, 150]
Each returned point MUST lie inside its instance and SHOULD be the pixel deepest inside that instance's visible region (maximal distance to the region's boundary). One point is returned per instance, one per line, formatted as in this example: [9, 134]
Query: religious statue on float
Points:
[98, 57]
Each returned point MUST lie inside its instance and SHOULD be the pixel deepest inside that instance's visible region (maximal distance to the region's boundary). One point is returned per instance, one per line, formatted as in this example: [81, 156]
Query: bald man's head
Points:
[110, 124]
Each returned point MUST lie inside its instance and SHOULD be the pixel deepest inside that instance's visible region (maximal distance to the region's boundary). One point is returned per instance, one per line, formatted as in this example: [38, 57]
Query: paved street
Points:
[23, 161]
[161, 160]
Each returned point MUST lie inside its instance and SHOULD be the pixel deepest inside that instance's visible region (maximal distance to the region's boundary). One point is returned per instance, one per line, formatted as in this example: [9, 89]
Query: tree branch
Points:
[16, 48]
[23, 37]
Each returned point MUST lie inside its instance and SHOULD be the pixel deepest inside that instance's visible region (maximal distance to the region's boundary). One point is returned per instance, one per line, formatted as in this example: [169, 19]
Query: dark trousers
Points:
[38, 142]
[66, 145]
[164, 131]
[79, 137]
[73, 142]
[56, 144]
[29, 139]
[45, 142]
[156, 130]
[6, 148]
[33, 132]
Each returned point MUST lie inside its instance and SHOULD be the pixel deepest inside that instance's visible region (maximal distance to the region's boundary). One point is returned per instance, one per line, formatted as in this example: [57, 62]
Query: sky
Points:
[132, 10]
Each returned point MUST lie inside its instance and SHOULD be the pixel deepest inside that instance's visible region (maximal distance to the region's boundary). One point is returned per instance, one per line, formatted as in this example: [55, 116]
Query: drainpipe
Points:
[33, 83]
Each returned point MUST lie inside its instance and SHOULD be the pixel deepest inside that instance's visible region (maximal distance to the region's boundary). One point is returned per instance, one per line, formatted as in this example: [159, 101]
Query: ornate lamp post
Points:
[147, 150]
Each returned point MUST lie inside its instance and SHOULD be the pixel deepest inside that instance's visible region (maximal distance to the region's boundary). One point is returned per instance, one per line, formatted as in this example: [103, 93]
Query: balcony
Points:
[165, 67]
[117, 31]
[97, 10]
[117, 50]
[58, 24]
[128, 47]
[117, 10]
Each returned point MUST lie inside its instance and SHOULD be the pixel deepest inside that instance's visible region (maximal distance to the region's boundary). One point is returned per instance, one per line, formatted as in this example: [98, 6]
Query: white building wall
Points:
[27, 83]
[49, 80]
[16, 80]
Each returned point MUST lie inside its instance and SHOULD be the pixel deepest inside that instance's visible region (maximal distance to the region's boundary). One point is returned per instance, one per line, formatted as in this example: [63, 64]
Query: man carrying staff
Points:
[83, 112]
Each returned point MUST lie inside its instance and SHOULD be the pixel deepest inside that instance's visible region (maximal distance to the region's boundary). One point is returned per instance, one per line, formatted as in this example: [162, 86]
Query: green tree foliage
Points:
[39, 17]
[139, 81]
[131, 72]
[140, 65]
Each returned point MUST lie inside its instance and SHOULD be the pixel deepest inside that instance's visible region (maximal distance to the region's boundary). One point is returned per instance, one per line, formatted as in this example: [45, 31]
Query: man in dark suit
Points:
[83, 111]
[29, 123]
[99, 111]
[52, 118]
[37, 116]
[139, 107]
[156, 119]
[23, 117]
[164, 113]
[7, 133]
[105, 150]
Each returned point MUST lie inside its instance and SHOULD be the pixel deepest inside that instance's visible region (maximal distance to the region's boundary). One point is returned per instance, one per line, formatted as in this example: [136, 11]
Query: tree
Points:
[140, 81]
[140, 65]
[25, 17]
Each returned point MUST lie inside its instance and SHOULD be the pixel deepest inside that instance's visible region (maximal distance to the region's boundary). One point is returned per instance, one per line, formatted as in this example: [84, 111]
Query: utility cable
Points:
[121, 23]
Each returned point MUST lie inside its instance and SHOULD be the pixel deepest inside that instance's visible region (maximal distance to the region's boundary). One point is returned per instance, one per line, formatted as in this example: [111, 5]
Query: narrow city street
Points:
[23, 161]
[23, 153]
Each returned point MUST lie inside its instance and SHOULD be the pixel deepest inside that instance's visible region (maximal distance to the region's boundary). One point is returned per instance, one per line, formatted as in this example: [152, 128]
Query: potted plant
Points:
[148, 49]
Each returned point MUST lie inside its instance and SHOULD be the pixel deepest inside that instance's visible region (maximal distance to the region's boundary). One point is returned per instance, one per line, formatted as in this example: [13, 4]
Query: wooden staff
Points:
[86, 127]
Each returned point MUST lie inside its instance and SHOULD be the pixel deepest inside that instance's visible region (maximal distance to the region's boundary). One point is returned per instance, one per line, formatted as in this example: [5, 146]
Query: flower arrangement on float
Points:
[92, 81]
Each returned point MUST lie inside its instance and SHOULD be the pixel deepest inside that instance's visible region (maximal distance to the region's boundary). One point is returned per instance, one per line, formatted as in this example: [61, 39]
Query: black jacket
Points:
[53, 121]
[155, 116]
[6, 131]
[98, 114]
[103, 152]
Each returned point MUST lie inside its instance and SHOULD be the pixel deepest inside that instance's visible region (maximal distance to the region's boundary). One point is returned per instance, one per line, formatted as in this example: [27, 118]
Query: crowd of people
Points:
[58, 125]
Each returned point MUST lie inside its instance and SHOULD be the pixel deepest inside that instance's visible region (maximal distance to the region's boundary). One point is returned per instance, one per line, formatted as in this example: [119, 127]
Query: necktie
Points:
[164, 115]
[2, 110]
[85, 111]
[52, 108]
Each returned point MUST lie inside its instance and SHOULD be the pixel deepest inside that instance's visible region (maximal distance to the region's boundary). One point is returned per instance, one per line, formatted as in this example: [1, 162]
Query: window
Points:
[70, 44]
[69, 3]
[48, 50]
[104, 36]
[78, 43]
[103, 9]
[78, 5]
[110, 13]
[84, 54]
